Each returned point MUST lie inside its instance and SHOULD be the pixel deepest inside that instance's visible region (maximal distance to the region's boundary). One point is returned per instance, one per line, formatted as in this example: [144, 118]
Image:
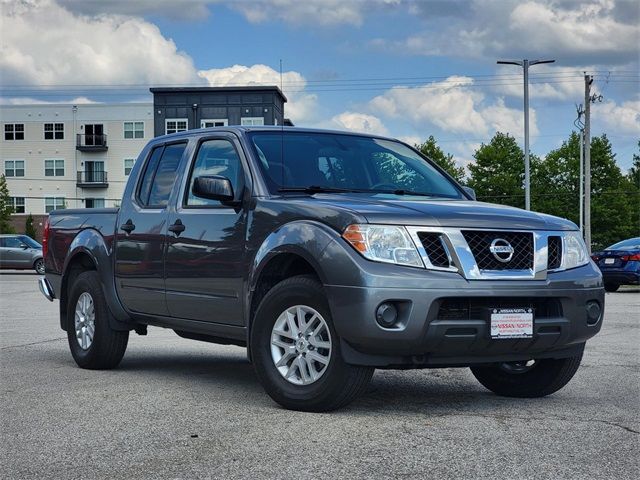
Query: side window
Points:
[12, 242]
[160, 175]
[215, 157]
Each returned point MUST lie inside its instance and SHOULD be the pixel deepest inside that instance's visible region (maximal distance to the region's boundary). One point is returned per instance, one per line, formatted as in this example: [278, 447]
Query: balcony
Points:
[91, 142]
[89, 179]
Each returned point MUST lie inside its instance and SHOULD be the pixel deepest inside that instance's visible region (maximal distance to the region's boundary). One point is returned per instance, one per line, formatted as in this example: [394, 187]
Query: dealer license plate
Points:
[609, 261]
[511, 323]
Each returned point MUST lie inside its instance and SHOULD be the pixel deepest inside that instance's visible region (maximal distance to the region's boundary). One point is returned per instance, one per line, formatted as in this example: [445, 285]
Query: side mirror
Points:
[470, 191]
[213, 187]
[24, 246]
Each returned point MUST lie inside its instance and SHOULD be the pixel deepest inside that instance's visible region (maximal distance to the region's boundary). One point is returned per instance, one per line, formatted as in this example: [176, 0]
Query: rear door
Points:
[205, 266]
[142, 229]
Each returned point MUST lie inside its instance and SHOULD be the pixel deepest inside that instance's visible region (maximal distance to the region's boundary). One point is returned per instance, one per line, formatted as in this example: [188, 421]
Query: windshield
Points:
[327, 161]
[630, 244]
[30, 242]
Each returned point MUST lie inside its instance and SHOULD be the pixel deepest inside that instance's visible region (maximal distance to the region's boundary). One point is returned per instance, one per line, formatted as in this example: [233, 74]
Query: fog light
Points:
[387, 315]
[594, 311]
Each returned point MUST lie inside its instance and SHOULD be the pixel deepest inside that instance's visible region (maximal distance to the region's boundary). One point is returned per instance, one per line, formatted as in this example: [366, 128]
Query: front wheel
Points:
[296, 351]
[535, 378]
[92, 341]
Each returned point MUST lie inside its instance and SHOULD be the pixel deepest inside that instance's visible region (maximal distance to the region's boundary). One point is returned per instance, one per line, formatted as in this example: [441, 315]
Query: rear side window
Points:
[160, 175]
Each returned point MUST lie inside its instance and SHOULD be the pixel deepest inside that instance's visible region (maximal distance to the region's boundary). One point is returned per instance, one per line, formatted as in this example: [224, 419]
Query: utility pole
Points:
[588, 79]
[579, 124]
[525, 64]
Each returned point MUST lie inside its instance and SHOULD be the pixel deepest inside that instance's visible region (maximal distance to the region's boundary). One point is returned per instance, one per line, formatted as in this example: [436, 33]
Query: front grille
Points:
[480, 242]
[432, 243]
[555, 253]
[476, 308]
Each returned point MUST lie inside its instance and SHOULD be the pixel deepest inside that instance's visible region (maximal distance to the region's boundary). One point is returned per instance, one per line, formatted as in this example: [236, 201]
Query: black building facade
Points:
[185, 108]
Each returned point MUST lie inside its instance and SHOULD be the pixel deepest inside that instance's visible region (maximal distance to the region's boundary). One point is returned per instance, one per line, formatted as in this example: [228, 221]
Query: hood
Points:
[391, 209]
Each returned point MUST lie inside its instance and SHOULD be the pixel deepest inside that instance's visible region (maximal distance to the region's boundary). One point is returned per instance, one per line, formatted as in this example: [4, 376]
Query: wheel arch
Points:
[89, 251]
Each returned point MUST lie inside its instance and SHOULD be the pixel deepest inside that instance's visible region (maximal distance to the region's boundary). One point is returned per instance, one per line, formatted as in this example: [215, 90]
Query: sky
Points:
[407, 69]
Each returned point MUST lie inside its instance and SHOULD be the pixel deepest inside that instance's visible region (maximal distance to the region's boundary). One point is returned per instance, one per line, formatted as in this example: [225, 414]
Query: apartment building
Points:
[79, 156]
[70, 156]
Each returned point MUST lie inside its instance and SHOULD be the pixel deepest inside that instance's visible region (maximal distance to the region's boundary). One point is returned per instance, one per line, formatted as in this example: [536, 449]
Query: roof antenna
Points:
[281, 132]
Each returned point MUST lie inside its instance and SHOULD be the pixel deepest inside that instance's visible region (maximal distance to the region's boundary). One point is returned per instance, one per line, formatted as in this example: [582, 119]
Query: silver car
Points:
[21, 252]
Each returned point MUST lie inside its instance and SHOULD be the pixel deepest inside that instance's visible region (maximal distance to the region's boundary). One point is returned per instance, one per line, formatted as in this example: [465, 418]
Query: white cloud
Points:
[576, 33]
[452, 106]
[359, 122]
[34, 101]
[618, 119]
[300, 107]
[42, 43]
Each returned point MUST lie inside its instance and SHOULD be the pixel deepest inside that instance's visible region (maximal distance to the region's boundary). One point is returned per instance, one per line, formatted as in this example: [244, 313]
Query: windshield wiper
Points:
[317, 189]
[402, 191]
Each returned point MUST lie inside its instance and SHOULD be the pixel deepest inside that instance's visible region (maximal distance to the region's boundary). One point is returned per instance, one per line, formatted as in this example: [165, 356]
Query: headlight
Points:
[574, 251]
[383, 243]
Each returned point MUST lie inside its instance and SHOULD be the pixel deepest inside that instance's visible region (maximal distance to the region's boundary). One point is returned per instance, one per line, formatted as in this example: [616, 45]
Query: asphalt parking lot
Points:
[182, 409]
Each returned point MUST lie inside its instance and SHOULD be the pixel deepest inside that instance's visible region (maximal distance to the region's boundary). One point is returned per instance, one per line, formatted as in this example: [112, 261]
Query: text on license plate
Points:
[511, 322]
[609, 261]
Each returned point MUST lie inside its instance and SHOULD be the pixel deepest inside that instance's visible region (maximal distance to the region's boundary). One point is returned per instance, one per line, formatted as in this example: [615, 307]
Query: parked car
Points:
[619, 264]
[326, 255]
[20, 252]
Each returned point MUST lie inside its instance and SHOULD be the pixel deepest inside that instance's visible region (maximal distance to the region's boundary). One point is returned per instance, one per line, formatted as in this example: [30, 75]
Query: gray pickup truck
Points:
[327, 255]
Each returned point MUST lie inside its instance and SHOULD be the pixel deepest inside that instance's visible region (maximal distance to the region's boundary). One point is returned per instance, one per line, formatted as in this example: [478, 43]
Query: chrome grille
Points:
[555, 253]
[479, 242]
[432, 243]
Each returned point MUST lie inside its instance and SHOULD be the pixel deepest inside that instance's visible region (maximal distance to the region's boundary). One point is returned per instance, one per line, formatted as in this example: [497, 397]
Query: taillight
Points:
[595, 258]
[634, 257]
[45, 239]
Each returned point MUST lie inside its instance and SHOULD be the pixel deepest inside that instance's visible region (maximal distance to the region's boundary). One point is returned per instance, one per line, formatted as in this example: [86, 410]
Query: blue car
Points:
[619, 264]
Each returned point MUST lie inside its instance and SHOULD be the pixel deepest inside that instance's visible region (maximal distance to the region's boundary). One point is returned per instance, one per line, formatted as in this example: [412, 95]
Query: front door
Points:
[141, 235]
[13, 253]
[205, 260]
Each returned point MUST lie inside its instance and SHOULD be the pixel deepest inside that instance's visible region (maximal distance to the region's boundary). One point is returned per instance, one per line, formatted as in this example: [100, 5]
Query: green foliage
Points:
[6, 207]
[634, 171]
[556, 187]
[497, 175]
[431, 150]
[29, 229]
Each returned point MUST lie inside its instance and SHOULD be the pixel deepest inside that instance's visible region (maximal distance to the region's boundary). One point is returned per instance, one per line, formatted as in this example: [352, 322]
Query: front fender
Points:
[90, 242]
[305, 238]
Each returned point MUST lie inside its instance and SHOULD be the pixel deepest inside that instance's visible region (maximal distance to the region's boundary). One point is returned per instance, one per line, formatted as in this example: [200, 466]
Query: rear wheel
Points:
[535, 378]
[92, 341]
[611, 287]
[296, 350]
[38, 266]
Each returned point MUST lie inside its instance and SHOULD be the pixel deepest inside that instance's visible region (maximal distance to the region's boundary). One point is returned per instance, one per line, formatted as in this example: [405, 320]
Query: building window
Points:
[54, 168]
[252, 121]
[134, 129]
[174, 125]
[18, 204]
[53, 203]
[214, 122]
[14, 168]
[54, 131]
[128, 165]
[14, 131]
[94, 202]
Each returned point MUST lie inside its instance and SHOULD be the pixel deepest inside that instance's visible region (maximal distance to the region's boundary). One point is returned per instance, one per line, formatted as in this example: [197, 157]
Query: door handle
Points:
[177, 228]
[128, 226]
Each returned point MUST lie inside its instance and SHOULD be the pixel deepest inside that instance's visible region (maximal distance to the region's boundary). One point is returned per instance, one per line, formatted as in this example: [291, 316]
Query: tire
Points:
[543, 378]
[337, 385]
[107, 346]
[38, 266]
[611, 287]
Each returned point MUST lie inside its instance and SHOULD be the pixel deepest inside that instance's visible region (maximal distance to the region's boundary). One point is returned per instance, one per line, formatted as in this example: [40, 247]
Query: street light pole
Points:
[525, 64]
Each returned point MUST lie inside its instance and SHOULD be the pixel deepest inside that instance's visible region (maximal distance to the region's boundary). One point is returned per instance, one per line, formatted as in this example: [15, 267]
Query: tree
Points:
[613, 199]
[634, 171]
[6, 207]
[497, 175]
[431, 150]
[29, 229]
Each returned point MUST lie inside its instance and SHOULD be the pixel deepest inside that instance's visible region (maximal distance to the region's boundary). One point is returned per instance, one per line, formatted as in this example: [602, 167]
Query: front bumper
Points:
[425, 337]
